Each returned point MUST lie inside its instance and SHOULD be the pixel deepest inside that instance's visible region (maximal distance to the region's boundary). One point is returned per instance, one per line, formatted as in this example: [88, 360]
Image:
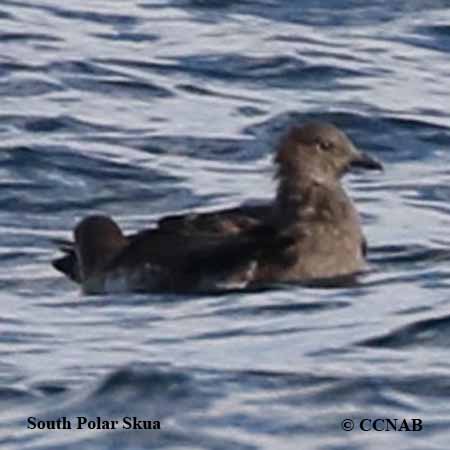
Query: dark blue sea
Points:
[142, 108]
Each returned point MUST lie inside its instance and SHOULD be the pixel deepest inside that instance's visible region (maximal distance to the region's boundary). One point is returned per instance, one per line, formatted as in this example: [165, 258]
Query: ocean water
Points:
[143, 108]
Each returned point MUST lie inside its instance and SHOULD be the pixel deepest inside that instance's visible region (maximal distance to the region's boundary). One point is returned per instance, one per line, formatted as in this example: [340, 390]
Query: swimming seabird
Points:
[311, 231]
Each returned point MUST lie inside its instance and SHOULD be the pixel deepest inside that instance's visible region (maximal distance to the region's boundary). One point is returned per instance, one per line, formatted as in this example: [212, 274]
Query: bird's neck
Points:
[310, 197]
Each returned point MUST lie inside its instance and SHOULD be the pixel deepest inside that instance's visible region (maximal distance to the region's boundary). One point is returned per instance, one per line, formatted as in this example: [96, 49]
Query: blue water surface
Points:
[142, 108]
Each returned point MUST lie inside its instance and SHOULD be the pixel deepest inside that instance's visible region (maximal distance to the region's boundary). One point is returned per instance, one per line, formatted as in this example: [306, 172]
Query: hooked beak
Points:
[364, 161]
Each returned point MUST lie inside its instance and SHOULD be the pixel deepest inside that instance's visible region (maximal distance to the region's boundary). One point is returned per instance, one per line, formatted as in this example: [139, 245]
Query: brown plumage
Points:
[311, 231]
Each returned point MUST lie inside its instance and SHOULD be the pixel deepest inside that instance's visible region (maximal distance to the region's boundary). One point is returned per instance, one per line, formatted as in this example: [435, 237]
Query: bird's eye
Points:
[324, 145]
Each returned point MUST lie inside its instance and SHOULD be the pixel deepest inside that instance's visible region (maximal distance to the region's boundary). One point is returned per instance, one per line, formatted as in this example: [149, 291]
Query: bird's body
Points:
[311, 231]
